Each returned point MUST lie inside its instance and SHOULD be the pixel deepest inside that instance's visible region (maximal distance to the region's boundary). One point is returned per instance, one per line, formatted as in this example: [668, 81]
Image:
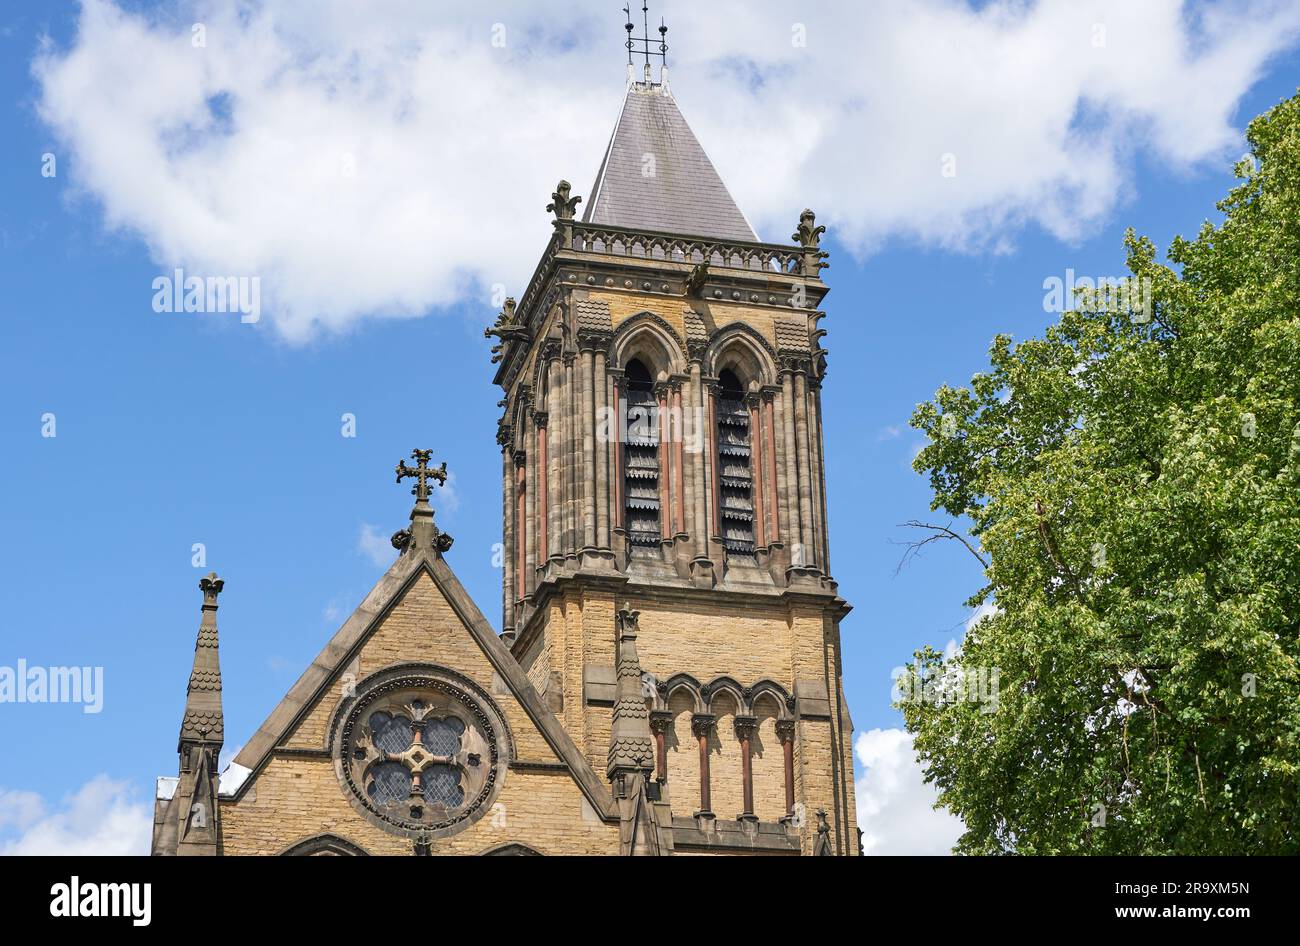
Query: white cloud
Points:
[18, 808]
[388, 159]
[446, 498]
[375, 545]
[895, 807]
[103, 817]
[890, 432]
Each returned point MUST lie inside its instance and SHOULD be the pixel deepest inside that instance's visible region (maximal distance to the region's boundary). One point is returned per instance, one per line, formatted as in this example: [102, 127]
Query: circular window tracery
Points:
[421, 752]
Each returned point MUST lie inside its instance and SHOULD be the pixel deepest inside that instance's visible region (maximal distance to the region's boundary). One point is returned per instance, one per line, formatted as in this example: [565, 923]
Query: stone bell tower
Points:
[662, 453]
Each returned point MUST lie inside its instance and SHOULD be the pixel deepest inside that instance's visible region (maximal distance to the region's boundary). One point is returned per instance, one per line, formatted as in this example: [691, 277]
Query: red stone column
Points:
[785, 732]
[660, 722]
[745, 728]
[756, 456]
[665, 462]
[701, 723]
[508, 523]
[713, 456]
[774, 534]
[542, 495]
[521, 517]
[620, 418]
[679, 465]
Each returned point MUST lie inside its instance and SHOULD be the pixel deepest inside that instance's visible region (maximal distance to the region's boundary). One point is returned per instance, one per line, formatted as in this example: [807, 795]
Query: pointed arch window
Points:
[641, 458]
[735, 478]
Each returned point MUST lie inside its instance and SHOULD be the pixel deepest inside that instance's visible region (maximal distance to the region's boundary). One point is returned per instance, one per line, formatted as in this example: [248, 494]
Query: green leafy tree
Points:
[1132, 479]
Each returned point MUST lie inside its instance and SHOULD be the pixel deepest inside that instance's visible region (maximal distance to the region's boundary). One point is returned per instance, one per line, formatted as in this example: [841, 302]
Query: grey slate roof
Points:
[696, 331]
[684, 195]
[593, 315]
[792, 334]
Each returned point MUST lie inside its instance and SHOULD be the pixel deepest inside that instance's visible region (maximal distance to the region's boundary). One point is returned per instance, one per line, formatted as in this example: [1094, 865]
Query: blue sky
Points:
[177, 429]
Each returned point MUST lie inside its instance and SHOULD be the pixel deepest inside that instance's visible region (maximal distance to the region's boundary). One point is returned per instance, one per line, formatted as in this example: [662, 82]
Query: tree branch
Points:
[937, 533]
[1053, 553]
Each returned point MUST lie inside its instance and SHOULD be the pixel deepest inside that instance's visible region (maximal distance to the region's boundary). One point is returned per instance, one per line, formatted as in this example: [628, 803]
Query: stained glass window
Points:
[392, 733]
[442, 736]
[389, 782]
[441, 784]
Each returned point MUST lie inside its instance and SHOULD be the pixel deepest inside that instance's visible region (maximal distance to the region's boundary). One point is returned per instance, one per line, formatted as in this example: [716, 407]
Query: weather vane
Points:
[644, 42]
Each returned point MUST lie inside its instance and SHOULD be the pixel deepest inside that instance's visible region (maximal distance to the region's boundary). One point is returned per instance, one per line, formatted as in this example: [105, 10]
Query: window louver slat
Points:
[641, 460]
[735, 480]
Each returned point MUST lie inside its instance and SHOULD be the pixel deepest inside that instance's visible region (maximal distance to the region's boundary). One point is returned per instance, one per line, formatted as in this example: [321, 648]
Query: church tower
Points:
[667, 676]
[662, 455]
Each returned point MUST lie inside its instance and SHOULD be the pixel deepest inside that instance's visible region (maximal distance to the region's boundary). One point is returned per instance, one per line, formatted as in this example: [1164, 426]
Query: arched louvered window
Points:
[735, 479]
[641, 459]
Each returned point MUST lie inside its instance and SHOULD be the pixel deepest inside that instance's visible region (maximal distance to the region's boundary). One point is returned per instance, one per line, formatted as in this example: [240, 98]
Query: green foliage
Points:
[1135, 484]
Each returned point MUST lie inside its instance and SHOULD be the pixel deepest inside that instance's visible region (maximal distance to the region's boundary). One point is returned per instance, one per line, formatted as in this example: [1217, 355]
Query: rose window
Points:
[419, 753]
[418, 759]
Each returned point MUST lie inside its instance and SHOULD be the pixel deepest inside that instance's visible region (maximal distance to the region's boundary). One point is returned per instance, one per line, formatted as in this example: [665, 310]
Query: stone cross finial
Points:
[422, 534]
[422, 474]
[562, 205]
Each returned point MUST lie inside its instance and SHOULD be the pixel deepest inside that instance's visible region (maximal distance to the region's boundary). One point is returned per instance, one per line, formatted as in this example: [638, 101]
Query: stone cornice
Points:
[585, 261]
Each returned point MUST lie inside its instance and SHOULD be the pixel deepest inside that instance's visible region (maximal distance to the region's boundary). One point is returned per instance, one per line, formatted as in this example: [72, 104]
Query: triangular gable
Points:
[363, 622]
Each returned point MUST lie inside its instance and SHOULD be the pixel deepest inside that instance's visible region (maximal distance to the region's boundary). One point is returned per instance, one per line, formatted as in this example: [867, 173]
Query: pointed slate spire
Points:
[196, 826]
[656, 176]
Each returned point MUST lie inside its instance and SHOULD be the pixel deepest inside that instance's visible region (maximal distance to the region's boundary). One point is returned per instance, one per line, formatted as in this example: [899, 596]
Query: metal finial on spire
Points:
[628, 26]
[645, 29]
[643, 43]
